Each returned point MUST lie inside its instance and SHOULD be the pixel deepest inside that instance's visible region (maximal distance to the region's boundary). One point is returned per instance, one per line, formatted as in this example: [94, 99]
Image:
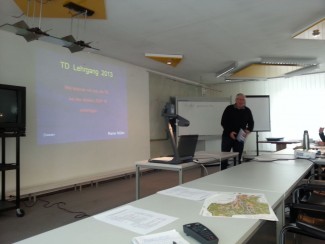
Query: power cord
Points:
[59, 205]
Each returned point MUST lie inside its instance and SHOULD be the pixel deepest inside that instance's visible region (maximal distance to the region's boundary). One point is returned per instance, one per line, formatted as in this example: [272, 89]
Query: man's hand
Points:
[321, 143]
[233, 135]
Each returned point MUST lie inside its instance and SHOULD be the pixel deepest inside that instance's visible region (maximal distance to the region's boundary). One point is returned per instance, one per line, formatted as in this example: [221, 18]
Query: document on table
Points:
[238, 205]
[135, 219]
[187, 193]
[167, 237]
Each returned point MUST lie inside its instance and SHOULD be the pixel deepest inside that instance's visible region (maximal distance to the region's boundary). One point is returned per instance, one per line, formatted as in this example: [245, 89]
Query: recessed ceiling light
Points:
[316, 33]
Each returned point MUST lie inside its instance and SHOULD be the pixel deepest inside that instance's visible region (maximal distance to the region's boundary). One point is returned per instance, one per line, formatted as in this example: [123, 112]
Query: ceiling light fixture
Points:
[288, 61]
[301, 71]
[226, 70]
[316, 33]
[312, 32]
[169, 59]
[72, 44]
[274, 67]
[21, 28]
[78, 8]
[30, 34]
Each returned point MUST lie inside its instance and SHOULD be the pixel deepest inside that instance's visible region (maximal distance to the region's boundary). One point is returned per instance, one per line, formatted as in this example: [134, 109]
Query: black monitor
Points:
[12, 109]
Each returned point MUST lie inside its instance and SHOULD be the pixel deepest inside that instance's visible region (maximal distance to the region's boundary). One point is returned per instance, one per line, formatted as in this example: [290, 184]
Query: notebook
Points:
[185, 150]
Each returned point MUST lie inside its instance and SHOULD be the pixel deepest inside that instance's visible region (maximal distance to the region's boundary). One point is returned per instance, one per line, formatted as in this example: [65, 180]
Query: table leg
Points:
[279, 212]
[180, 176]
[281, 146]
[137, 182]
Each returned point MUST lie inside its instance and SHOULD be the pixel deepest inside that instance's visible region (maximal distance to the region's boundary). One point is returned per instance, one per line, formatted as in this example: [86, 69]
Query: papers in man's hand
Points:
[241, 135]
[167, 237]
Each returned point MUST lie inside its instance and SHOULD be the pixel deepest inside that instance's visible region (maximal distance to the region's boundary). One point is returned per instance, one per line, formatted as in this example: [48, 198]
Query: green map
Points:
[242, 205]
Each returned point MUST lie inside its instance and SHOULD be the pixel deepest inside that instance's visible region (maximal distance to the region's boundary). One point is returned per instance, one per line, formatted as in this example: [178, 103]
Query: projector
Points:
[306, 154]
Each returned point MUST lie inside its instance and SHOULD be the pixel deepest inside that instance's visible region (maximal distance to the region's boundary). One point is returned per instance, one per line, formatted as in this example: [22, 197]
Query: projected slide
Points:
[79, 99]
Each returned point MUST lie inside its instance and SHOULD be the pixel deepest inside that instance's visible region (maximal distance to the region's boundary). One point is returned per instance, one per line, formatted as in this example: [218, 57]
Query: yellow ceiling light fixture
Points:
[270, 67]
[315, 31]
[172, 60]
[57, 8]
[264, 71]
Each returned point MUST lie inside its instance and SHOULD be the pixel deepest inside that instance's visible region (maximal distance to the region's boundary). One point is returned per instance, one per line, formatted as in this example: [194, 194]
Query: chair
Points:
[307, 212]
[309, 193]
[307, 220]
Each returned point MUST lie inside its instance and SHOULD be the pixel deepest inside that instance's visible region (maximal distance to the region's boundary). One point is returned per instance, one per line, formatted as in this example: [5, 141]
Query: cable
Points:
[197, 161]
[205, 169]
[59, 205]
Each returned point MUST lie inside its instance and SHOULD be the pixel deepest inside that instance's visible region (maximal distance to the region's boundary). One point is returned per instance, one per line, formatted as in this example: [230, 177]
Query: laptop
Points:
[184, 153]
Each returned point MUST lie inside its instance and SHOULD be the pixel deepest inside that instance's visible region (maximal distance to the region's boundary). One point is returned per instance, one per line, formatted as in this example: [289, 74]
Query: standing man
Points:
[237, 122]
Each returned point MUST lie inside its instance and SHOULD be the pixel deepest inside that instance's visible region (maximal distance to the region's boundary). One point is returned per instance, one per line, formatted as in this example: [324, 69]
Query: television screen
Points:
[12, 109]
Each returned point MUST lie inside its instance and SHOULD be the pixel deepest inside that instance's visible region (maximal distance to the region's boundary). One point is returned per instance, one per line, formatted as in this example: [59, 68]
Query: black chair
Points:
[307, 212]
[309, 193]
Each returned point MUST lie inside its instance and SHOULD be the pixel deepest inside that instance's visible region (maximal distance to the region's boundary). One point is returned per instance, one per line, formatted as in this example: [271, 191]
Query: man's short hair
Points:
[240, 95]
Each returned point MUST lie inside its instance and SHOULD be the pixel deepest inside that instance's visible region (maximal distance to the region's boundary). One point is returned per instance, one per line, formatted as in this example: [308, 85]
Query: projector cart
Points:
[4, 167]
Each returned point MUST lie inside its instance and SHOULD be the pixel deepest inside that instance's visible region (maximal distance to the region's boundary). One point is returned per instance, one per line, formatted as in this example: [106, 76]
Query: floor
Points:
[54, 210]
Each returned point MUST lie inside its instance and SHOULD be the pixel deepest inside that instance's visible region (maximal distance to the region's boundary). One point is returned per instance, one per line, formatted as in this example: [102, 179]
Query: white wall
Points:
[296, 105]
[51, 164]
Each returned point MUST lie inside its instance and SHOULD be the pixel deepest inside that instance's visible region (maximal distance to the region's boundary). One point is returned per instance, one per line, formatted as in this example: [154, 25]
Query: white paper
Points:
[238, 205]
[187, 193]
[167, 237]
[241, 135]
[135, 219]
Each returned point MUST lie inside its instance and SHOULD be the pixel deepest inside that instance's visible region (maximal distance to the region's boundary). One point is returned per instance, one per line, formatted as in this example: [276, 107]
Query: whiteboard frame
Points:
[227, 100]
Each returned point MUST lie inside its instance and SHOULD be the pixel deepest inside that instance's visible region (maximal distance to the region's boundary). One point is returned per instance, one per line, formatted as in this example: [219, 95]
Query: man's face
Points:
[240, 101]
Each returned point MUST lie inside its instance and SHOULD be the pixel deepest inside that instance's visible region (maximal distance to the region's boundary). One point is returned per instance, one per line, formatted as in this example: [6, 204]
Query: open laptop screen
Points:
[187, 145]
[185, 151]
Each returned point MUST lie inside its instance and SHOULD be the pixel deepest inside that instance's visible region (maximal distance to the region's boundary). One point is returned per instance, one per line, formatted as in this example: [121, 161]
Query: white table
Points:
[278, 176]
[274, 179]
[203, 158]
[91, 230]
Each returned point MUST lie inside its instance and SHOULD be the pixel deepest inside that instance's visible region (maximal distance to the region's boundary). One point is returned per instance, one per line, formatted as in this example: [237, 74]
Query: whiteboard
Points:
[260, 107]
[204, 115]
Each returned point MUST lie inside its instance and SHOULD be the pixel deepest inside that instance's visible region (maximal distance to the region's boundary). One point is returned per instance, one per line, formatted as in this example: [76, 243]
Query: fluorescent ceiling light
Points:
[288, 61]
[226, 70]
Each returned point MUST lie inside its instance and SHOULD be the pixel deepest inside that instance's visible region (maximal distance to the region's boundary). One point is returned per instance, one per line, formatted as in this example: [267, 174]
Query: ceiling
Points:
[209, 35]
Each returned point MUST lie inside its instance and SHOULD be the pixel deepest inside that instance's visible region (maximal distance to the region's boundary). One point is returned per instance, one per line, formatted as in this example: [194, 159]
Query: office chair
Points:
[305, 219]
[307, 212]
[310, 194]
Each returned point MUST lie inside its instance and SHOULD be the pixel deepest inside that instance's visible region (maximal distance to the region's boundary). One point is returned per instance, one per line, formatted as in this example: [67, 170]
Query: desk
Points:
[90, 230]
[171, 167]
[204, 158]
[280, 144]
[280, 176]
[275, 180]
